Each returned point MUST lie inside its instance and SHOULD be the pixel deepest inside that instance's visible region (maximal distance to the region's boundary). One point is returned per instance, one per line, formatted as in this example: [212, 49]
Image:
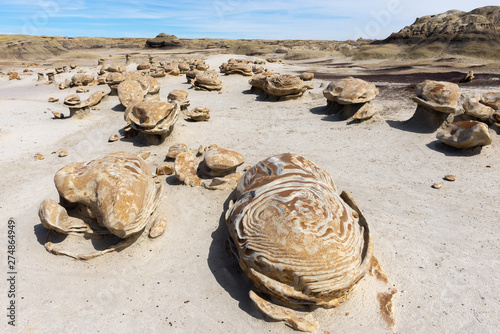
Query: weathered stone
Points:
[129, 92]
[259, 79]
[350, 91]
[113, 138]
[185, 169]
[227, 182]
[491, 100]
[289, 86]
[465, 134]
[307, 76]
[175, 150]
[82, 79]
[117, 191]
[150, 117]
[438, 95]
[143, 66]
[115, 68]
[296, 239]
[180, 97]
[477, 110]
[165, 169]
[220, 161]
[208, 80]
[158, 227]
[199, 114]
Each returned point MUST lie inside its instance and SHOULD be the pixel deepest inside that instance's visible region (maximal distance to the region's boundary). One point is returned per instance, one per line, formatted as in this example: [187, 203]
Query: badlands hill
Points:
[474, 33]
[450, 34]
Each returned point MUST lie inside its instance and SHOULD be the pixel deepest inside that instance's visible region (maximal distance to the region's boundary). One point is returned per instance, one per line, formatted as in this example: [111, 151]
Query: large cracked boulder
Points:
[117, 193]
[297, 240]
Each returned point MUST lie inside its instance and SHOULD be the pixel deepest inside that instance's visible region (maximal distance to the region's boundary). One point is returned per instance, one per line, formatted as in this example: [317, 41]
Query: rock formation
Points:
[465, 134]
[117, 192]
[437, 103]
[297, 240]
[351, 98]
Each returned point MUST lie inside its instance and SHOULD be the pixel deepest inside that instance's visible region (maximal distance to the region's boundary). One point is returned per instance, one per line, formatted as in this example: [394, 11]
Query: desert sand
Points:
[439, 247]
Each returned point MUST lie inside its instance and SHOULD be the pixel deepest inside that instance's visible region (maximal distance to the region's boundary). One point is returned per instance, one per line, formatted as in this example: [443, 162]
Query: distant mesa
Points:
[480, 24]
[163, 41]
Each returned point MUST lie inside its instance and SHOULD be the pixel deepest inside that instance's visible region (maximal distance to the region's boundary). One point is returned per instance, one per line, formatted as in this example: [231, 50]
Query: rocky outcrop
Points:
[480, 24]
[163, 41]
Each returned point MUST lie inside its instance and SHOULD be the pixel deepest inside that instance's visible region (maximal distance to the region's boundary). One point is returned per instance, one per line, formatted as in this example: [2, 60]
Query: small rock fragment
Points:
[165, 169]
[437, 185]
[39, 156]
[450, 178]
[62, 154]
[158, 227]
[57, 114]
[51, 99]
[113, 138]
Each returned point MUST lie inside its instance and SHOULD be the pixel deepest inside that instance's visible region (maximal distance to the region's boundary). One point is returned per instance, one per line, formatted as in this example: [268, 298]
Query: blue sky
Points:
[282, 19]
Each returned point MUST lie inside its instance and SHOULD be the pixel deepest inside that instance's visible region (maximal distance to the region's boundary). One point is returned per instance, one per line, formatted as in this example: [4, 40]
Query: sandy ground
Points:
[440, 248]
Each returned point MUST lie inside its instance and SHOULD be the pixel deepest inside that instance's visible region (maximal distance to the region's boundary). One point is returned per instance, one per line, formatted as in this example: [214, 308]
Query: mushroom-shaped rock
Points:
[199, 114]
[477, 110]
[438, 95]
[117, 191]
[180, 97]
[492, 100]
[437, 102]
[77, 109]
[220, 161]
[465, 134]
[350, 91]
[297, 240]
[208, 80]
[185, 169]
[289, 86]
[114, 79]
[152, 117]
[130, 91]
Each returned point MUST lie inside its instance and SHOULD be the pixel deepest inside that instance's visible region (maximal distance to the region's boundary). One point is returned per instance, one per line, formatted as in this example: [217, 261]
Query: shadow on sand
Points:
[226, 270]
[453, 152]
